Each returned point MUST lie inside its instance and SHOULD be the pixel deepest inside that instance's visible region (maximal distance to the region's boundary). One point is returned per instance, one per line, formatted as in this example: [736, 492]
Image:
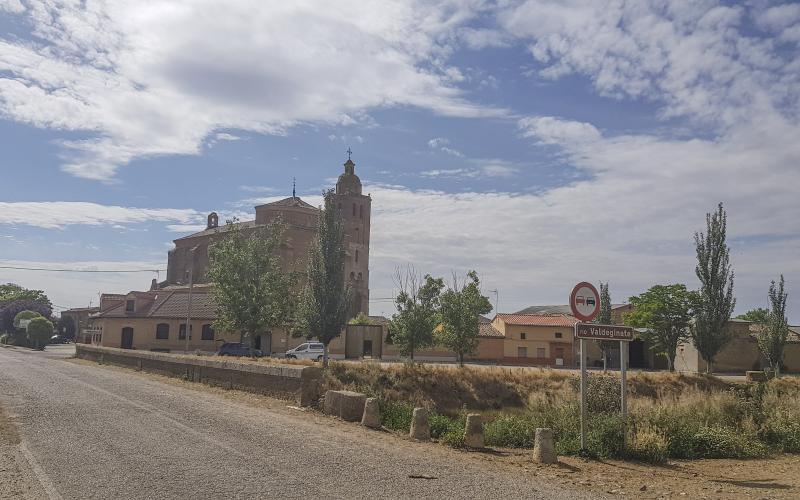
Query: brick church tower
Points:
[355, 209]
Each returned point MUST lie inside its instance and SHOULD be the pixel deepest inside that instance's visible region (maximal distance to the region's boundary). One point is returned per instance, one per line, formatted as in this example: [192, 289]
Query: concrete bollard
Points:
[420, 429]
[473, 433]
[543, 448]
[372, 414]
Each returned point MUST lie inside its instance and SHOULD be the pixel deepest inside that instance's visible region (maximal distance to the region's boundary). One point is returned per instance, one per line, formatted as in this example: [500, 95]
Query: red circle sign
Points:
[584, 301]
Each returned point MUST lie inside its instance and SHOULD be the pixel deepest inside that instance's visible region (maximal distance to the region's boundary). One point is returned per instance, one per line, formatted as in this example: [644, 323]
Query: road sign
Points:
[604, 332]
[584, 301]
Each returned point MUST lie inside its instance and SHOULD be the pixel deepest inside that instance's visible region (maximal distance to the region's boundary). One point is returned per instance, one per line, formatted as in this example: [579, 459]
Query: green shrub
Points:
[5, 338]
[396, 416]
[648, 445]
[782, 430]
[603, 393]
[726, 442]
[448, 430]
[510, 431]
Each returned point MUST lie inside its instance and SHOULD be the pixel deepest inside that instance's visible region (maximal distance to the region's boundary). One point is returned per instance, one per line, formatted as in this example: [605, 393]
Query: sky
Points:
[541, 143]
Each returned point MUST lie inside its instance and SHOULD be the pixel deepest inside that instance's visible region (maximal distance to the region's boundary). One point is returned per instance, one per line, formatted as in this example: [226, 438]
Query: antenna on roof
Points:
[294, 187]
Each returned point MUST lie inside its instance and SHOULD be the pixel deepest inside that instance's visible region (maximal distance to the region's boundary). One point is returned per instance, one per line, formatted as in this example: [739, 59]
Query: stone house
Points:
[741, 354]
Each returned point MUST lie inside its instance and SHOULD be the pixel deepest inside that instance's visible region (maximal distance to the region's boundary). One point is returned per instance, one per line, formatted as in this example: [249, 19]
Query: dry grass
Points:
[493, 388]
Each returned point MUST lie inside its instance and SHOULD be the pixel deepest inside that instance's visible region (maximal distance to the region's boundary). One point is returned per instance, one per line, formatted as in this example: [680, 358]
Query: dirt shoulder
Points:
[774, 478]
[16, 479]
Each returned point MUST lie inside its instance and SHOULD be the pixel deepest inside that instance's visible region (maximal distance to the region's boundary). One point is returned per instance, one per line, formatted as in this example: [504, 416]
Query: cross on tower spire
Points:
[294, 187]
[349, 152]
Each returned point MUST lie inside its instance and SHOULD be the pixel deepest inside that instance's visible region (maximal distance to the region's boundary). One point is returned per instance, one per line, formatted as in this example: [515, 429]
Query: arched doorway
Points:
[127, 338]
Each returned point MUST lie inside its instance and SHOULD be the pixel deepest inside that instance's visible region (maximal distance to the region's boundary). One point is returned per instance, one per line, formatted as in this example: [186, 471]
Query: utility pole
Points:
[189, 299]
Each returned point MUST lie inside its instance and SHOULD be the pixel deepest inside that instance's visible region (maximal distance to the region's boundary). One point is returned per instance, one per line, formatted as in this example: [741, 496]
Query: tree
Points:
[24, 315]
[460, 306]
[775, 331]
[666, 312]
[9, 311]
[66, 327]
[39, 332]
[417, 311]
[324, 300]
[758, 315]
[251, 290]
[710, 332]
[11, 292]
[604, 318]
[361, 319]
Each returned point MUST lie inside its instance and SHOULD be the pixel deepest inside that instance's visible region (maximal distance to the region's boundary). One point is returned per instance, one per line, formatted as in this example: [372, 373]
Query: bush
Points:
[5, 338]
[396, 416]
[648, 445]
[782, 430]
[39, 332]
[510, 431]
[725, 442]
[448, 430]
[603, 393]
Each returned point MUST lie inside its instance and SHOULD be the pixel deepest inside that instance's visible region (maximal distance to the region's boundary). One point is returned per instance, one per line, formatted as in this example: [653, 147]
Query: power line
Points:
[17, 268]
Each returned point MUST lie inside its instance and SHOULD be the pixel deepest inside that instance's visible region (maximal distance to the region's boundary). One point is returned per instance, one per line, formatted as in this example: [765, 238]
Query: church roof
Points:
[292, 201]
[219, 229]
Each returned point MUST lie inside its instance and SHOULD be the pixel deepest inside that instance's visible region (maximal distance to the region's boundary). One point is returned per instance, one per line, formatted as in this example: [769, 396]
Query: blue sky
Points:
[541, 143]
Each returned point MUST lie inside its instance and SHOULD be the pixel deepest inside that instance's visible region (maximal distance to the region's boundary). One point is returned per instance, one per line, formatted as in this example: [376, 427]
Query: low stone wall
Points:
[284, 381]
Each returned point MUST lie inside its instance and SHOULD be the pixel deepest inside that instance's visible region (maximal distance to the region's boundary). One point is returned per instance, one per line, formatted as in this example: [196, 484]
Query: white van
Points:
[307, 350]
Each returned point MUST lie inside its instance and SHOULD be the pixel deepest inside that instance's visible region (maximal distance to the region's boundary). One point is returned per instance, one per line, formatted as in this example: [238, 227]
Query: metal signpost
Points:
[585, 304]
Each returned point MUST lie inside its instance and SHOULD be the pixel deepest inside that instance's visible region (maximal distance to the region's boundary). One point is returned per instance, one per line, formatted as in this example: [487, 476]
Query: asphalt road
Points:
[94, 432]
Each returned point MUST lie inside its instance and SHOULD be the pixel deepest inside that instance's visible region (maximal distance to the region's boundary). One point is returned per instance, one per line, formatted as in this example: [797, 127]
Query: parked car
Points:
[237, 349]
[58, 339]
[307, 350]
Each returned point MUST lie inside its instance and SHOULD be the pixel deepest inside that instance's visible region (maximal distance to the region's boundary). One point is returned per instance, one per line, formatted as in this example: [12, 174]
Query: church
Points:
[156, 319]
[189, 259]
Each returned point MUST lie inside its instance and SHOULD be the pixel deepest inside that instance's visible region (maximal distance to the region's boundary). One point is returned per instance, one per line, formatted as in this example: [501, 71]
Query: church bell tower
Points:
[355, 209]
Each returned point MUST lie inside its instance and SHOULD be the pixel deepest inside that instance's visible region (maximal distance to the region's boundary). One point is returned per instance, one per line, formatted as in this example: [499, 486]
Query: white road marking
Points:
[40, 474]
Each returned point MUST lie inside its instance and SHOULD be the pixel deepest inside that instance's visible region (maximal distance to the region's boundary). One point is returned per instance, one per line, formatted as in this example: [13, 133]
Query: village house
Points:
[741, 353]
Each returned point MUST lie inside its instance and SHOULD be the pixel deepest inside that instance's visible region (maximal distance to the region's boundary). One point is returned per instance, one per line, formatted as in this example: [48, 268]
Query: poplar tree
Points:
[710, 332]
[325, 298]
[604, 318]
[773, 335]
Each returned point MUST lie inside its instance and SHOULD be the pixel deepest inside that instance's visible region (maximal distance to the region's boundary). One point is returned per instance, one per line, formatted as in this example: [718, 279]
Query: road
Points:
[96, 432]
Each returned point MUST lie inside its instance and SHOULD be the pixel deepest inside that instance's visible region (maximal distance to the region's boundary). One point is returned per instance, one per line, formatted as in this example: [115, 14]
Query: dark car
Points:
[237, 349]
[58, 339]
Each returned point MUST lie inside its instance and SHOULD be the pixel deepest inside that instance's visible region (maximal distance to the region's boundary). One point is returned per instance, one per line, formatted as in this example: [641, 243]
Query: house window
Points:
[522, 352]
[207, 333]
[358, 236]
[162, 331]
[182, 332]
[354, 209]
[361, 211]
[558, 335]
[356, 255]
[360, 277]
[540, 352]
[522, 335]
[129, 305]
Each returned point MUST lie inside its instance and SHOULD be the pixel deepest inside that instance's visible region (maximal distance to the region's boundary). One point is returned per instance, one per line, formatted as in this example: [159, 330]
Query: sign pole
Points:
[623, 354]
[583, 394]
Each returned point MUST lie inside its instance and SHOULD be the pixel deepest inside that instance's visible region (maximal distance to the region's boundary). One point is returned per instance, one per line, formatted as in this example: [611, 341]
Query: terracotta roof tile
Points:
[487, 330]
[538, 319]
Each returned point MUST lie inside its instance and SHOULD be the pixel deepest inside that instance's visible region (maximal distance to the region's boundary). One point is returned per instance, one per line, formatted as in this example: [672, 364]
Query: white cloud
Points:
[59, 214]
[12, 6]
[550, 130]
[223, 136]
[157, 78]
[694, 57]
[438, 142]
